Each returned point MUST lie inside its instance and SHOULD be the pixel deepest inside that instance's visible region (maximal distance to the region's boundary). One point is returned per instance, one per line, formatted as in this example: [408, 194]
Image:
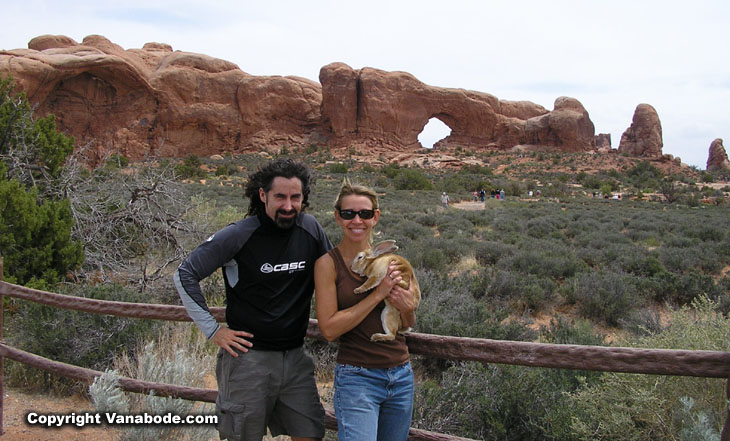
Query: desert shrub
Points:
[456, 248]
[581, 226]
[565, 331]
[642, 322]
[681, 260]
[175, 357]
[491, 252]
[409, 179]
[681, 289]
[447, 308]
[116, 161]
[463, 182]
[190, 168]
[531, 292]
[695, 425]
[543, 227]
[639, 262]
[647, 407]
[427, 219]
[545, 259]
[455, 227]
[645, 176]
[400, 229]
[226, 170]
[477, 401]
[477, 218]
[591, 181]
[504, 224]
[338, 168]
[425, 255]
[74, 337]
[500, 402]
[602, 295]
[706, 232]
[690, 286]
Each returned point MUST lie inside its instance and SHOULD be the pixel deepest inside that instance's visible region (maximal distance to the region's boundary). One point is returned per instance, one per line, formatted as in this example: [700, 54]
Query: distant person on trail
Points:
[444, 199]
[501, 195]
[476, 195]
[265, 377]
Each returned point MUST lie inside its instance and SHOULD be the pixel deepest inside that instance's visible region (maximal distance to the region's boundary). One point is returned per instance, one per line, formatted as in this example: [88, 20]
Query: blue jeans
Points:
[373, 404]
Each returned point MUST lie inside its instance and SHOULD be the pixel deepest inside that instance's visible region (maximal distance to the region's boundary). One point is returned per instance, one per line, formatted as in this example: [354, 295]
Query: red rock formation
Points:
[603, 141]
[568, 127]
[373, 107]
[156, 101]
[717, 158]
[644, 136]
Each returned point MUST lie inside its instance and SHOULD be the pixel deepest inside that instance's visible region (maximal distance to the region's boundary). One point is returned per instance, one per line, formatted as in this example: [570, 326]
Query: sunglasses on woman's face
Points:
[350, 214]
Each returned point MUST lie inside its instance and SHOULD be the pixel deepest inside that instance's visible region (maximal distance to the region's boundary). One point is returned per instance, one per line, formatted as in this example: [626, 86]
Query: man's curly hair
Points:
[264, 178]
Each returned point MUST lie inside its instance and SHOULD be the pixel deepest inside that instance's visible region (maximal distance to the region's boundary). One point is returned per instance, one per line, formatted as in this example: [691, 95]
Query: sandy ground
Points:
[18, 404]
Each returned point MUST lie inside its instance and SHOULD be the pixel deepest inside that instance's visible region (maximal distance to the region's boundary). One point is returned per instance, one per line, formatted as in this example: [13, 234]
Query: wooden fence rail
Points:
[711, 364]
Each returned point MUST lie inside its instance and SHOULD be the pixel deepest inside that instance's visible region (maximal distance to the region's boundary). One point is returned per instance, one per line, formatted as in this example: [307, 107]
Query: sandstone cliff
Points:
[377, 108]
[157, 101]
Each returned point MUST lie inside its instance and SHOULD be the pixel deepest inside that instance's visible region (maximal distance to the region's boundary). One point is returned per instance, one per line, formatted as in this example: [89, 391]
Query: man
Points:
[264, 376]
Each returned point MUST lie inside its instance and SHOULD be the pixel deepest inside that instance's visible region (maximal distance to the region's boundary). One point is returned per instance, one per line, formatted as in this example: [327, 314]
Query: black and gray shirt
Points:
[269, 277]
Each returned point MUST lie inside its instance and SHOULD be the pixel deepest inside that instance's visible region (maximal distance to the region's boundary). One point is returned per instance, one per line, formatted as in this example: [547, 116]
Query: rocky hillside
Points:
[162, 102]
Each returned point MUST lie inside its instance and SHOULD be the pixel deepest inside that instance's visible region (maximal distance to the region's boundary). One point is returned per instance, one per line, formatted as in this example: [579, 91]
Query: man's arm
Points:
[216, 252]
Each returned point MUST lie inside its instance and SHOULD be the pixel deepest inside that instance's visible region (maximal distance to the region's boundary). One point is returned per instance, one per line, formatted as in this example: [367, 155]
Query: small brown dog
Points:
[373, 263]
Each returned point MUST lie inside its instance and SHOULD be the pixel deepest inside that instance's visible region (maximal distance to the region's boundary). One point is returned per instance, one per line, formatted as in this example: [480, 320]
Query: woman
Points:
[373, 380]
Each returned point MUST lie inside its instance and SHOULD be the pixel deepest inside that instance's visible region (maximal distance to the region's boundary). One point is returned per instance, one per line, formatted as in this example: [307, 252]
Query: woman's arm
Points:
[334, 323]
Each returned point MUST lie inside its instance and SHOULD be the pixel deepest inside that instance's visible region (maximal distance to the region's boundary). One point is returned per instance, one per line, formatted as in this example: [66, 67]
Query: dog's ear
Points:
[384, 247]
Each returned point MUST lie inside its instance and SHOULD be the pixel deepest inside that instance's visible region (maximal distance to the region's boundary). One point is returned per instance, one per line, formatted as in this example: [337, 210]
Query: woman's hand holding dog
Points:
[390, 281]
[403, 300]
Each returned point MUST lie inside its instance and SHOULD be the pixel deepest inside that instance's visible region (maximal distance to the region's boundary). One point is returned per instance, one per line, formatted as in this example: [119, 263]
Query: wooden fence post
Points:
[2, 384]
[725, 435]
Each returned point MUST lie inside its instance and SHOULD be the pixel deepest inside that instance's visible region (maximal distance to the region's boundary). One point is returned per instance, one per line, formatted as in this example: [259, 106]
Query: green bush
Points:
[545, 259]
[533, 292]
[35, 236]
[645, 176]
[409, 179]
[36, 221]
[602, 295]
[338, 168]
[190, 168]
[490, 252]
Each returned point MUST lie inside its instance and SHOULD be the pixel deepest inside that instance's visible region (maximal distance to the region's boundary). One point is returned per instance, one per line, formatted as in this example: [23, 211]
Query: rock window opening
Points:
[434, 131]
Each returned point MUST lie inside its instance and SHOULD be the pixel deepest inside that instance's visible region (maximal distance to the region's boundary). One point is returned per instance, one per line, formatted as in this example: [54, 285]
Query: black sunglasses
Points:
[350, 214]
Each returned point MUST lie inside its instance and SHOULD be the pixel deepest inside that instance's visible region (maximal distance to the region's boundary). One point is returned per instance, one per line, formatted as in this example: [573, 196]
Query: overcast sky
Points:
[610, 55]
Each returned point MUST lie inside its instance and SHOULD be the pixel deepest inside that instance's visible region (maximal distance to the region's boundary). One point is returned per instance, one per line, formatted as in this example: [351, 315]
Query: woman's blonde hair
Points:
[348, 189]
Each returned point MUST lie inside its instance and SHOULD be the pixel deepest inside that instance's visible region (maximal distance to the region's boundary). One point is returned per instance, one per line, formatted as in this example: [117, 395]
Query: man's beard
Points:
[285, 223]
